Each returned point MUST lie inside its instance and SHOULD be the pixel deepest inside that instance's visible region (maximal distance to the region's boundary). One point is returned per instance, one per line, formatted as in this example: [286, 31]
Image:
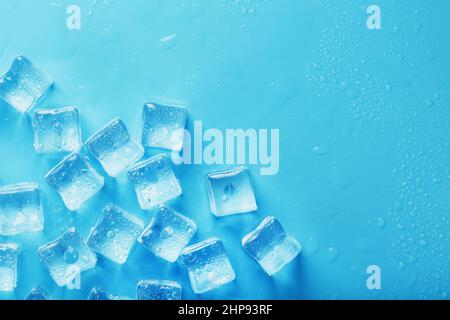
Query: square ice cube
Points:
[9, 256]
[115, 234]
[270, 246]
[66, 257]
[57, 130]
[231, 192]
[75, 180]
[154, 181]
[37, 294]
[23, 85]
[113, 147]
[168, 233]
[21, 209]
[158, 290]
[99, 294]
[163, 126]
[208, 265]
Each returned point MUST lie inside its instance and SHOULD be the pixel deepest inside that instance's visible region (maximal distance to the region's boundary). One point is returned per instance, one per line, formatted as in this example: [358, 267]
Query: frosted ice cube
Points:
[20, 209]
[115, 234]
[23, 85]
[158, 290]
[75, 180]
[37, 294]
[270, 246]
[168, 233]
[57, 130]
[154, 181]
[231, 192]
[208, 265]
[9, 255]
[113, 147]
[162, 125]
[99, 294]
[66, 257]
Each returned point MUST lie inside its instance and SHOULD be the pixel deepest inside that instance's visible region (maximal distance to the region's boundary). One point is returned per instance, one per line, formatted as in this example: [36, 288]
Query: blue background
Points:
[364, 115]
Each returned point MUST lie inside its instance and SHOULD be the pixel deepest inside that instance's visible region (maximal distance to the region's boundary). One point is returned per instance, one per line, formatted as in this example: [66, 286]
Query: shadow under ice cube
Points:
[154, 181]
[66, 257]
[9, 256]
[23, 85]
[270, 246]
[21, 209]
[75, 180]
[113, 147]
[115, 234]
[168, 233]
[158, 290]
[208, 265]
[231, 192]
[57, 130]
[162, 126]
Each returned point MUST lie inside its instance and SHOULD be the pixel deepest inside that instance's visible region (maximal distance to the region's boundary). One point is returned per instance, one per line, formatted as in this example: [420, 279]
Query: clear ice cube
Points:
[231, 192]
[162, 125]
[9, 256]
[67, 257]
[158, 290]
[270, 246]
[208, 265]
[115, 234]
[154, 181]
[23, 85]
[168, 233]
[37, 294]
[21, 209]
[99, 294]
[57, 130]
[113, 147]
[75, 180]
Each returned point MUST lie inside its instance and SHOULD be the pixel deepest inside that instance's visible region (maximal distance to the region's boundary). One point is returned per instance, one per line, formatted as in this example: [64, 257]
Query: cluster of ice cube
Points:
[116, 232]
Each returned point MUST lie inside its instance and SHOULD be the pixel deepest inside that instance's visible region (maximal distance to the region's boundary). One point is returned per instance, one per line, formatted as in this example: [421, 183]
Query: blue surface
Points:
[363, 116]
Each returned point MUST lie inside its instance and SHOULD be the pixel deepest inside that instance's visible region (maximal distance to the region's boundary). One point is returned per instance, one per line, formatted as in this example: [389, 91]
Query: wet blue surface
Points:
[363, 116]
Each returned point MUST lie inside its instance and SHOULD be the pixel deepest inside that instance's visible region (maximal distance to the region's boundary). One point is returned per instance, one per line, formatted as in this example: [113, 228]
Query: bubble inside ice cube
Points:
[154, 181]
[162, 126]
[270, 246]
[21, 209]
[168, 233]
[231, 192]
[113, 147]
[23, 85]
[57, 130]
[208, 265]
[115, 234]
[75, 180]
[158, 290]
[9, 255]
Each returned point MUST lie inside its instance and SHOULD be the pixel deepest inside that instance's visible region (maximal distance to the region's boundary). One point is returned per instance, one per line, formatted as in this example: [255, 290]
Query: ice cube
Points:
[162, 126]
[66, 257]
[57, 130]
[168, 233]
[154, 181]
[99, 294]
[21, 209]
[158, 290]
[115, 234]
[208, 265]
[23, 85]
[113, 147]
[37, 294]
[270, 246]
[231, 192]
[75, 180]
[9, 255]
